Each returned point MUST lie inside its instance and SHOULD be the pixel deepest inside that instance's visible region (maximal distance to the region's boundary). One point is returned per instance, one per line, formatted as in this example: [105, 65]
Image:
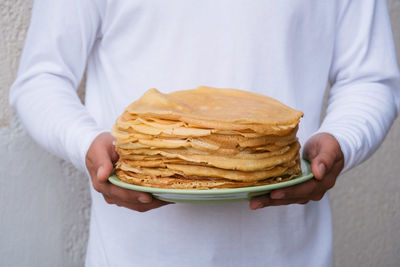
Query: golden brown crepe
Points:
[207, 138]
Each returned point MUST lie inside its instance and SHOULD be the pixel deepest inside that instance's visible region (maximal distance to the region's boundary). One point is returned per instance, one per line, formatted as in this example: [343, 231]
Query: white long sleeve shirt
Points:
[286, 49]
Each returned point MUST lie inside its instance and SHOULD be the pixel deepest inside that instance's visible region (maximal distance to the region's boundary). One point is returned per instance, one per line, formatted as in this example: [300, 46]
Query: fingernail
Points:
[99, 170]
[278, 195]
[322, 169]
[144, 199]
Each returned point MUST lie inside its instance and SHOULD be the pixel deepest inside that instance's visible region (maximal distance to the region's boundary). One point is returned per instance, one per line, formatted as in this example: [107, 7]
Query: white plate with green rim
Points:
[215, 195]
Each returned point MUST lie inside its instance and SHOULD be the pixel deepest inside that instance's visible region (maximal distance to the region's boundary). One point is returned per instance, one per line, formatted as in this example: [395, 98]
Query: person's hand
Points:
[100, 160]
[326, 158]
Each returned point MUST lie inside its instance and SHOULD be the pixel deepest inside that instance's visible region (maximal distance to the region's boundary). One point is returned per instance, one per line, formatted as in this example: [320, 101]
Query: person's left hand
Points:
[326, 158]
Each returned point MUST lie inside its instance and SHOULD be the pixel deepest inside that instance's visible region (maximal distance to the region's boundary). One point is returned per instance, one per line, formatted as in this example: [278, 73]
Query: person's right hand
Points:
[100, 160]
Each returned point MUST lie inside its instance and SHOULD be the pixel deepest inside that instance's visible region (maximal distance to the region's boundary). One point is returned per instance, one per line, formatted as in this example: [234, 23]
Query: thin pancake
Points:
[178, 182]
[251, 163]
[206, 104]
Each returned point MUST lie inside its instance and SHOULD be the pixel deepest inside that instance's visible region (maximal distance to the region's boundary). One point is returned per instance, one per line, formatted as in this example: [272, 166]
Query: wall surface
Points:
[44, 202]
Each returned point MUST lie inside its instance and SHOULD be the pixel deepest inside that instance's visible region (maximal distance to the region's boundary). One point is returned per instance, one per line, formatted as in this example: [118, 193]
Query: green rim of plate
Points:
[305, 166]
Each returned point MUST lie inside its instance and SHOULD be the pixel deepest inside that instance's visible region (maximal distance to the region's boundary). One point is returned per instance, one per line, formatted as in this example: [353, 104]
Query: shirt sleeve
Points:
[44, 95]
[364, 77]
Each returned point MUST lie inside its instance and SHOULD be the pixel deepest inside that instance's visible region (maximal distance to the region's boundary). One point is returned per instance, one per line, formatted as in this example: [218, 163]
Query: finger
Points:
[265, 201]
[322, 150]
[311, 149]
[317, 196]
[283, 202]
[113, 153]
[108, 199]
[318, 156]
[156, 203]
[259, 202]
[100, 179]
[127, 195]
[100, 156]
[104, 171]
[302, 190]
[330, 178]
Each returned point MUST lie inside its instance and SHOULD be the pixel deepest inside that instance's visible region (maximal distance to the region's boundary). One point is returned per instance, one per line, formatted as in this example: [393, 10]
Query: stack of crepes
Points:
[207, 138]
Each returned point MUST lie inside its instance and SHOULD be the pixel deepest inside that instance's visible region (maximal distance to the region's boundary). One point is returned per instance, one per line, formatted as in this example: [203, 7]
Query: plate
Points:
[215, 195]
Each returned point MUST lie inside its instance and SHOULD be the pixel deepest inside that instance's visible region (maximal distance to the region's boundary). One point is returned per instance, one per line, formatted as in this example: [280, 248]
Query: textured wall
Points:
[44, 202]
[44, 206]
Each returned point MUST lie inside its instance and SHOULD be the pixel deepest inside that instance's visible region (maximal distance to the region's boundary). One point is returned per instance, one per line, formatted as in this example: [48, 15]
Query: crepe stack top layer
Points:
[207, 138]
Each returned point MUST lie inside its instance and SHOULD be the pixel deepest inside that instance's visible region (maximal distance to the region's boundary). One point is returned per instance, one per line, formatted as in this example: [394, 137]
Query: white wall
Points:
[44, 202]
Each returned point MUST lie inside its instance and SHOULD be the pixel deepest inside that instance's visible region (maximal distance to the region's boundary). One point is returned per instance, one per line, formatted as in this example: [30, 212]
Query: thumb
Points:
[321, 150]
[104, 170]
[103, 164]
[100, 157]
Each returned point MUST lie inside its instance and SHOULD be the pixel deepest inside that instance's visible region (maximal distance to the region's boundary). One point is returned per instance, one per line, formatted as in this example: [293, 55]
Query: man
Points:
[286, 49]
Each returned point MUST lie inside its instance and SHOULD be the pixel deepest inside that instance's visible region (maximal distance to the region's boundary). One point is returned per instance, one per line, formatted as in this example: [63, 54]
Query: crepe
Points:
[207, 138]
[179, 182]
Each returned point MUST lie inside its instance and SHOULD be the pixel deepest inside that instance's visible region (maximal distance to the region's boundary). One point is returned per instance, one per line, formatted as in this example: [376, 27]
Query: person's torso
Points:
[282, 49]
